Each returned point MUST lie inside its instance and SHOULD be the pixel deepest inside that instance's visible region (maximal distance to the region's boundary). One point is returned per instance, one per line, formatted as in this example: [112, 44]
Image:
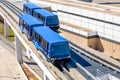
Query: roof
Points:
[31, 5]
[49, 35]
[30, 20]
[44, 12]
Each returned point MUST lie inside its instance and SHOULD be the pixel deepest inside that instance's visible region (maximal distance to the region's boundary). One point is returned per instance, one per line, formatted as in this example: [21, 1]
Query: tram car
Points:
[49, 19]
[53, 46]
[26, 24]
[29, 8]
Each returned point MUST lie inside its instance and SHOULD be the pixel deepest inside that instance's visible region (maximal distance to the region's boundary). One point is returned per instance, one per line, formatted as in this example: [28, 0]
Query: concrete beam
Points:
[18, 50]
[28, 54]
[45, 76]
[6, 28]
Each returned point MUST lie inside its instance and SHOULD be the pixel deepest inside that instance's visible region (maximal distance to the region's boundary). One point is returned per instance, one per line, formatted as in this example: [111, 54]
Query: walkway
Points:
[9, 67]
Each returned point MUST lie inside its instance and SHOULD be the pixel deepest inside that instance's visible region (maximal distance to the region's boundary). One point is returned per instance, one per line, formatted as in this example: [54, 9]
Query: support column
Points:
[6, 28]
[28, 54]
[45, 76]
[18, 50]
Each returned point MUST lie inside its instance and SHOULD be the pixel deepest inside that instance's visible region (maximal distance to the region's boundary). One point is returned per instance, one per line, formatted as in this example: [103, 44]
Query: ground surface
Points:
[9, 68]
[108, 2]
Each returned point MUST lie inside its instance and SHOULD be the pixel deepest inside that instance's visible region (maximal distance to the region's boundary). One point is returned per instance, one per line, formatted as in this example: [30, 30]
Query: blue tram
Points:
[26, 24]
[55, 47]
[29, 8]
[47, 17]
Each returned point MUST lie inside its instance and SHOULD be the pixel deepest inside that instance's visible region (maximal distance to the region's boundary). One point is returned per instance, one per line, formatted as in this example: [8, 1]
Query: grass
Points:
[1, 28]
[11, 36]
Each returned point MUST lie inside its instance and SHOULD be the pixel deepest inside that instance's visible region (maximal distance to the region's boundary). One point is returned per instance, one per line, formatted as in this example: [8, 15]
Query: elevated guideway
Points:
[21, 38]
[94, 17]
[84, 30]
[49, 66]
[73, 72]
[10, 68]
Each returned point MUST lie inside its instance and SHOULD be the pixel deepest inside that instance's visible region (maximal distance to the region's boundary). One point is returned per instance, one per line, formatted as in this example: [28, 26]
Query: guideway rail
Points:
[41, 65]
[36, 60]
[75, 45]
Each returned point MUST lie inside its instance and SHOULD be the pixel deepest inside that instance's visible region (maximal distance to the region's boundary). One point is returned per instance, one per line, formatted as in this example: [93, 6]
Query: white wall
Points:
[106, 30]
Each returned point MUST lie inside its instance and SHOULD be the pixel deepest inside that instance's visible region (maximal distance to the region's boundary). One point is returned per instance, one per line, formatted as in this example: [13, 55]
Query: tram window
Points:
[35, 35]
[40, 39]
[36, 15]
[42, 18]
[28, 10]
[47, 46]
[24, 9]
[43, 42]
[26, 26]
[39, 17]
[21, 22]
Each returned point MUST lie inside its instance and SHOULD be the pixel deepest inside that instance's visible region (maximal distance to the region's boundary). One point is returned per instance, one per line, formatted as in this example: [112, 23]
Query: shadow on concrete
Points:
[110, 3]
[79, 59]
[86, 0]
[11, 36]
[31, 63]
[10, 77]
[100, 45]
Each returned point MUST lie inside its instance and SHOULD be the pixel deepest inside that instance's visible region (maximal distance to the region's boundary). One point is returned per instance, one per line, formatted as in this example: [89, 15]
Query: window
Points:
[41, 17]
[26, 26]
[36, 35]
[52, 20]
[46, 45]
[24, 9]
[27, 10]
[40, 39]
[60, 49]
[21, 22]
[35, 14]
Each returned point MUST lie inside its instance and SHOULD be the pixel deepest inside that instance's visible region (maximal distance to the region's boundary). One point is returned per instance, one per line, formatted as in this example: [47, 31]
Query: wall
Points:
[103, 20]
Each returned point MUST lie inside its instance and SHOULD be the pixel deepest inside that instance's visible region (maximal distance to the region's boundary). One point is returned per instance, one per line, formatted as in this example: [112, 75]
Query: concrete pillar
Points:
[28, 54]
[18, 50]
[45, 77]
[6, 28]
